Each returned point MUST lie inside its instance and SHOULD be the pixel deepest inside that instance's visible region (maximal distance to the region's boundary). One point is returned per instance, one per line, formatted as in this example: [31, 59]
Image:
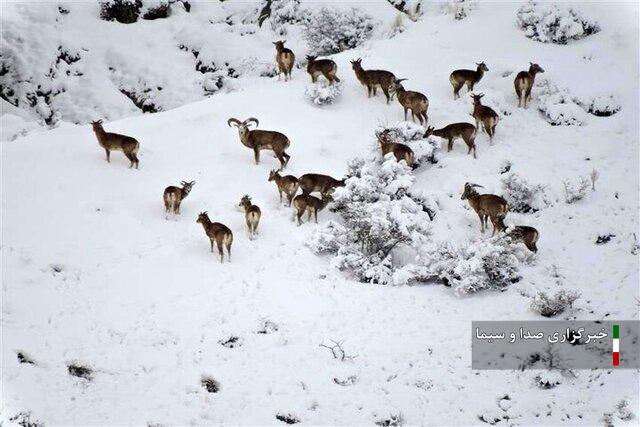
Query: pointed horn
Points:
[477, 185]
[251, 119]
[234, 121]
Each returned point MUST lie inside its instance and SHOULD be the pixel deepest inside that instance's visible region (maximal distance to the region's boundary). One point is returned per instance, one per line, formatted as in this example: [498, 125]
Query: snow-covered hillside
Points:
[93, 274]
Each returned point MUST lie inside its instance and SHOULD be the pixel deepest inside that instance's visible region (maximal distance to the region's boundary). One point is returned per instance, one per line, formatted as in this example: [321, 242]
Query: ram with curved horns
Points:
[259, 140]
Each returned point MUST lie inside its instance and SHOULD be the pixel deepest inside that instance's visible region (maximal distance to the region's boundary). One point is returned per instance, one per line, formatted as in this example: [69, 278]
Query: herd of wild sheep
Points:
[487, 206]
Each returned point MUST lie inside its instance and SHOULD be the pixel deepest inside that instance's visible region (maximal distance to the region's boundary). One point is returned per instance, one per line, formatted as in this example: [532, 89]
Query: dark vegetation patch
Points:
[209, 384]
[24, 358]
[231, 342]
[604, 238]
[123, 11]
[80, 371]
[287, 418]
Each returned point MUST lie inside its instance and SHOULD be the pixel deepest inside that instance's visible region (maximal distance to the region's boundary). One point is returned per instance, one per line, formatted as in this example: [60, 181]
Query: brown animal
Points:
[323, 184]
[463, 130]
[486, 205]
[524, 82]
[252, 215]
[310, 204]
[173, 196]
[325, 67]
[374, 78]
[116, 142]
[259, 140]
[519, 233]
[285, 59]
[218, 233]
[410, 100]
[469, 77]
[400, 151]
[484, 115]
[287, 184]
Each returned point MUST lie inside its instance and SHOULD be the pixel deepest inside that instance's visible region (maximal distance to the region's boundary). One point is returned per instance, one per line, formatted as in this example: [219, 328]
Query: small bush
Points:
[557, 106]
[522, 196]
[80, 371]
[547, 379]
[378, 214]
[156, 9]
[393, 420]
[554, 23]
[601, 105]
[576, 191]
[209, 384]
[287, 418]
[550, 306]
[123, 11]
[459, 9]
[332, 30]
[490, 264]
[321, 93]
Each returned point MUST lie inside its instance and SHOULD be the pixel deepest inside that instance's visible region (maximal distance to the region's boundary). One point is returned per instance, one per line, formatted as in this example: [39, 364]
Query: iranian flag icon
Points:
[616, 345]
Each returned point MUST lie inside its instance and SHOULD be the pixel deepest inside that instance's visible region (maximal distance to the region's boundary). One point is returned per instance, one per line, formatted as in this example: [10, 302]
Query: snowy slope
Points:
[93, 272]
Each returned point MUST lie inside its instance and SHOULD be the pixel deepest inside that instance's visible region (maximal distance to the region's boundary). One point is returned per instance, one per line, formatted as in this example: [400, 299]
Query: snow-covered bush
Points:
[123, 11]
[156, 9]
[279, 13]
[322, 93]
[548, 379]
[459, 9]
[576, 190]
[377, 216]
[601, 105]
[331, 30]
[557, 106]
[554, 23]
[480, 265]
[549, 306]
[522, 196]
[412, 134]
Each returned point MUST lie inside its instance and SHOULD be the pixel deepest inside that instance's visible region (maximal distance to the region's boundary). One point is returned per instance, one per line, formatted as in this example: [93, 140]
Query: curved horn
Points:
[477, 185]
[400, 80]
[251, 119]
[183, 182]
[235, 121]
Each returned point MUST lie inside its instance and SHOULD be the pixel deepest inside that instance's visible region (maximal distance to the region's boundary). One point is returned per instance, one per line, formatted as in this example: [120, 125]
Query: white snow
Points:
[94, 274]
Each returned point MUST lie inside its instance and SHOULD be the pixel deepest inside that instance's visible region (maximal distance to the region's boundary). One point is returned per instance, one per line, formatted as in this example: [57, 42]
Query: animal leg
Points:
[481, 223]
[219, 244]
[108, 155]
[413, 116]
[450, 145]
[256, 155]
[405, 113]
[426, 118]
[211, 240]
[229, 251]
[386, 93]
[315, 215]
